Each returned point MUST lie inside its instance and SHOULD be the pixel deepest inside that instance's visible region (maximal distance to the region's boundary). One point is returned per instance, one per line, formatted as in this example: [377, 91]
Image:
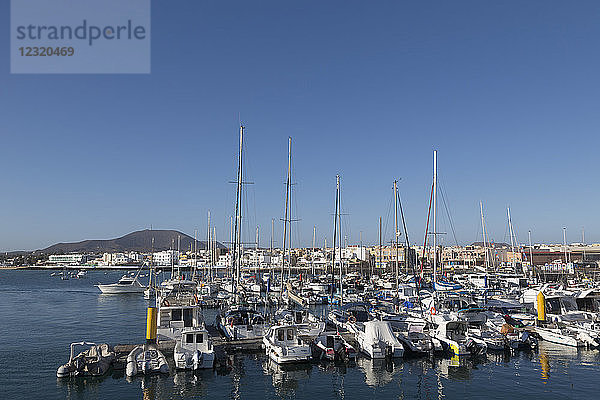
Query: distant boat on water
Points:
[127, 284]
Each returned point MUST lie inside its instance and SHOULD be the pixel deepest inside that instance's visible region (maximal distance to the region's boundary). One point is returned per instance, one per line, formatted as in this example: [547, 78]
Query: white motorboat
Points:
[127, 284]
[561, 334]
[306, 322]
[377, 340]
[333, 347]
[283, 345]
[241, 323]
[81, 274]
[173, 319]
[414, 335]
[95, 361]
[146, 359]
[194, 350]
[454, 338]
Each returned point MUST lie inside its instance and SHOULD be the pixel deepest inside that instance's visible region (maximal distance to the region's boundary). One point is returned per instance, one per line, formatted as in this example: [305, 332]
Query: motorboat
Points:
[283, 345]
[377, 340]
[560, 333]
[306, 322]
[241, 323]
[455, 339]
[333, 347]
[81, 274]
[350, 314]
[194, 350]
[172, 319]
[414, 335]
[127, 284]
[146, 359]
[95, 361]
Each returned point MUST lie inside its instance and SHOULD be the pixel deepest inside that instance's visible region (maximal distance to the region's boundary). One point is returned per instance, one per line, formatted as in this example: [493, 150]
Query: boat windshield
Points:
[569, 304]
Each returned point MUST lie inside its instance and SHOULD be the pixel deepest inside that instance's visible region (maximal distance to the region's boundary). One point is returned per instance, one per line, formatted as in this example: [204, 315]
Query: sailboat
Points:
[438, 284]
[239, 322]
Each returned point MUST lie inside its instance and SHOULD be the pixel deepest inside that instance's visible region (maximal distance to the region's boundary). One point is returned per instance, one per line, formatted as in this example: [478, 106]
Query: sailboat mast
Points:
[256, 248]
[339, 213]
[232, 248]
[380, 248]
[337, 189]
[530, 252]
[512, 243]
[396, 232]
[285, 213]
[238, 216]
[208, 245]
[312, 258]
[485, 252]
[565, 243]
[271, 254]
[583, 243]
[195, 251]
[361, 255]
[435, 216]
[214, 247]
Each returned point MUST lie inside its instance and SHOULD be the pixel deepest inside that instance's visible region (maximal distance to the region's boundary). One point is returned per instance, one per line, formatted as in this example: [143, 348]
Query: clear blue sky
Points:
[508, 92]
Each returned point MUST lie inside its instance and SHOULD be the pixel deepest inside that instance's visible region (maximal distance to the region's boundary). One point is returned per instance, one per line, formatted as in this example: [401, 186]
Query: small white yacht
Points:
[241, 323]
[559, 333]
[127, 284]
[283, 345]
[454, 338]
[173, 319]
[333, 347]
[194, 350]
[377, 340]
[306, 322]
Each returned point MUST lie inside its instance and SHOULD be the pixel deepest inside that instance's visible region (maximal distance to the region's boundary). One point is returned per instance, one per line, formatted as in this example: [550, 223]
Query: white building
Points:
[68, 259]
[167, 257]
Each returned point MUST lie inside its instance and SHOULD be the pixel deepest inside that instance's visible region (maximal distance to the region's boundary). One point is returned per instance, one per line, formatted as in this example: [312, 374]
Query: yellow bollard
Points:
[541, 307]
[151, 325]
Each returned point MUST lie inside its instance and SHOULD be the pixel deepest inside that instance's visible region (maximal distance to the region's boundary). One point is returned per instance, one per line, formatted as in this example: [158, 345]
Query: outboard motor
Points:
[389, 352]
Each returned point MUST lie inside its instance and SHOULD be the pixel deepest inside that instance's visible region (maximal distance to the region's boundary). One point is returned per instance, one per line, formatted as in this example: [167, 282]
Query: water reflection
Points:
[286, 377]
[379, 372]
[455, 368]
[192, 383]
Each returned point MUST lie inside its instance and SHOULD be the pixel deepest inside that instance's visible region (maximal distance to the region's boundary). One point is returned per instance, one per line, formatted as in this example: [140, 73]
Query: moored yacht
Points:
[194, 349]
[241, 323]
[283, 345]
[377, 340]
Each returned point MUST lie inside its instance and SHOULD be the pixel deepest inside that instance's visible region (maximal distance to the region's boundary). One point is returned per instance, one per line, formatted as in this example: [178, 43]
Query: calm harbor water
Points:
[42, 314]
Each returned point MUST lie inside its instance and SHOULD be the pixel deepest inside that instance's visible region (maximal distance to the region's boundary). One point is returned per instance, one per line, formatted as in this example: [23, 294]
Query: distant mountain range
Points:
[140, 241]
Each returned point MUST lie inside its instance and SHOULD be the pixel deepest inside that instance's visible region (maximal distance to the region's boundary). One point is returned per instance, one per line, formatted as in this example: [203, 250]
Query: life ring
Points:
[432, 310]
[166, 303]
[231, 322]
[352, 319]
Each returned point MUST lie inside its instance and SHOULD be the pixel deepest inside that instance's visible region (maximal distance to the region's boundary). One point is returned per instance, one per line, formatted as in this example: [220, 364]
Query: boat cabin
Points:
[244, 317]
[589, 300]
[172, 319]
[454, 330]
[284, 335]
[196, 339]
